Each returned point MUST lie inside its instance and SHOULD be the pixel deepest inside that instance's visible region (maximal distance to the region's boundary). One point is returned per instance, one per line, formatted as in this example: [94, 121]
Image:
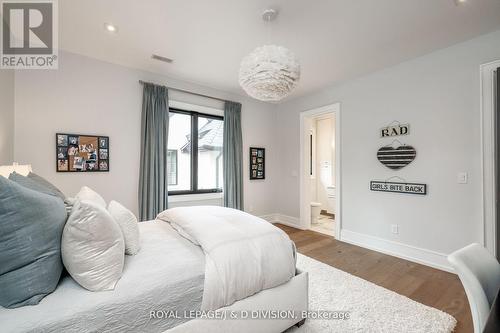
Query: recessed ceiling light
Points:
[110, 27]
[460, 2]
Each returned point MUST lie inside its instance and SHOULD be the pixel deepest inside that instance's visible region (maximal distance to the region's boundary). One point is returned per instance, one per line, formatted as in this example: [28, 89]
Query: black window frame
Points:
[194, 152]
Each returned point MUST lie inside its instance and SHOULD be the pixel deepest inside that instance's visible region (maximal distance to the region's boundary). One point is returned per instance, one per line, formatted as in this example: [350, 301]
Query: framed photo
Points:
[103, 142]
[62, 140]
[78, 163]
[73, 140]
[103, 154]
[81, 153]
[257, 163]
[103, 165]
[62, 165]
[62, 153]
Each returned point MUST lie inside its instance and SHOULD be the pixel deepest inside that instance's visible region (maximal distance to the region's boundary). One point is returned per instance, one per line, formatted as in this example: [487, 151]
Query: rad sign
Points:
[29, 35]
[395, 130]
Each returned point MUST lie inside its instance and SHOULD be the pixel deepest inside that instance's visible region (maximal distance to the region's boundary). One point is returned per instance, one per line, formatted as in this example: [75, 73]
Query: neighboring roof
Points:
[210, 137]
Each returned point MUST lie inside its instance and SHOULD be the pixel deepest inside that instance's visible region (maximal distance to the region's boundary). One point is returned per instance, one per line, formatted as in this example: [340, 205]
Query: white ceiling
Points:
[335, 40]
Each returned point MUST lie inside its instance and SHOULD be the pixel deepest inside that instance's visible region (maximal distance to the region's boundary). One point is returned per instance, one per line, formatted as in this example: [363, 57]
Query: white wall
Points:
[6, 116]
[438, 94]
[93, 97]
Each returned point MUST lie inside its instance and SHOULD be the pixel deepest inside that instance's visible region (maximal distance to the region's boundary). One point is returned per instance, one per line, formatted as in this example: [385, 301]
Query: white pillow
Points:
[88, 194]
[92, 247]
[128, 224]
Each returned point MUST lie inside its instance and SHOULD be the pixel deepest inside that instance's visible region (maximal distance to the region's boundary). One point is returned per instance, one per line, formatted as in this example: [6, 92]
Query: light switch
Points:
[462, 178]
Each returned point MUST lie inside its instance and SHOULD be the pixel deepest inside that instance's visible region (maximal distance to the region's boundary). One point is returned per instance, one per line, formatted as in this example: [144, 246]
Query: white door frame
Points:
[488, 154]
[305, 192]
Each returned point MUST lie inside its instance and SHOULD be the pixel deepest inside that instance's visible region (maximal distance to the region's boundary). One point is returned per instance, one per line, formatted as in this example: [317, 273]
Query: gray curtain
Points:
[153, 180]
[233, 156]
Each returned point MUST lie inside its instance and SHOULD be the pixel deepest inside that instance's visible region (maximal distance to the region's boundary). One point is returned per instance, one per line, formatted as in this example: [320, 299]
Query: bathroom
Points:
[322, 173]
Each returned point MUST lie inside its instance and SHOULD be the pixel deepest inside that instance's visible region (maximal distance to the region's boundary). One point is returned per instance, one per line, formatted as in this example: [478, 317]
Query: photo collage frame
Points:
[257, 163]
[82, 153]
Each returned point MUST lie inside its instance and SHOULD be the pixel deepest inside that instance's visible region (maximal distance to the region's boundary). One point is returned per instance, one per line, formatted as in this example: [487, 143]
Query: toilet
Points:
[315, 212]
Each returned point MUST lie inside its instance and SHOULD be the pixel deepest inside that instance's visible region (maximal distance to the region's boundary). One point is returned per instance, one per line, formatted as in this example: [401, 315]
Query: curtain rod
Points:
[187, 92]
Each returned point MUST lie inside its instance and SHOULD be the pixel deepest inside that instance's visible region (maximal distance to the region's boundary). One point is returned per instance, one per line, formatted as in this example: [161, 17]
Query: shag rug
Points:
[371, 308]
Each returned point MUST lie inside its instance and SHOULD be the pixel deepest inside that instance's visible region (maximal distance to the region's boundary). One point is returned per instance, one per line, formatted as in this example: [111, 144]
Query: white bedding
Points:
[166, 274]
[244, 254]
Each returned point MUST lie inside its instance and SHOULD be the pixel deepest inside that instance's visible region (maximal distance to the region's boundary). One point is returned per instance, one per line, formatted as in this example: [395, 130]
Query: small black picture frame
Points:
[82, 153]
[257, 163]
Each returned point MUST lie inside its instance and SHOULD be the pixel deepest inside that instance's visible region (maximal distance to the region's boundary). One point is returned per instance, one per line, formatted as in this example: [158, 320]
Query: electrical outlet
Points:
[395, 229]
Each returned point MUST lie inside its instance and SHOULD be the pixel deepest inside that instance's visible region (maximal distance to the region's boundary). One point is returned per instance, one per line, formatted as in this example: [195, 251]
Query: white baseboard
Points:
[400, 250]
[283, 219]
[408, 252]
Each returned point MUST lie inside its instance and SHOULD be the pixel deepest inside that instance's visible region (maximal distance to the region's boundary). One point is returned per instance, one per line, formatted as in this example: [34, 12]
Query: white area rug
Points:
[371, 307]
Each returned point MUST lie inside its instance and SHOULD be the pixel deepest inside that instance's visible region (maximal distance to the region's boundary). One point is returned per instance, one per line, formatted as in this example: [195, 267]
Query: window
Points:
[179, 134]
[172, 167]
[194, 157]
[210, 136]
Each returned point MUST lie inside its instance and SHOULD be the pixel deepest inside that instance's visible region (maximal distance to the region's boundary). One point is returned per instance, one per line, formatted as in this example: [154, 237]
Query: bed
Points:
[167, 275]
[141, 289]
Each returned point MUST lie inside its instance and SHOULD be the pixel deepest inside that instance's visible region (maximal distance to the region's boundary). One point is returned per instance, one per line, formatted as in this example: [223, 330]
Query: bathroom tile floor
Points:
[325, 226]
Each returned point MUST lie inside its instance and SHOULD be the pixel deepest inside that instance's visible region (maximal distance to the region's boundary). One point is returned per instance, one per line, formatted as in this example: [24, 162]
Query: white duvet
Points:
[244, 254]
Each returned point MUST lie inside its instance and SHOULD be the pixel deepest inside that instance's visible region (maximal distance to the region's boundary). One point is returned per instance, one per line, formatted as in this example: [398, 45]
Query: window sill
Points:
[195, 197]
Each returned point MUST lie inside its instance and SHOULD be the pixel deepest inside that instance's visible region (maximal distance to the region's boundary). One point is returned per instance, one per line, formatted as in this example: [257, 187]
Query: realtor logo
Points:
[29, 35]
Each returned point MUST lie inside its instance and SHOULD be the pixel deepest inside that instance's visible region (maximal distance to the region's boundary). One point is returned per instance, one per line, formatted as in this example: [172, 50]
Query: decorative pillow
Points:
[35, 185]
[128, 225]
[42, 181]
[31, 225]
[92, 247]
[87, 194]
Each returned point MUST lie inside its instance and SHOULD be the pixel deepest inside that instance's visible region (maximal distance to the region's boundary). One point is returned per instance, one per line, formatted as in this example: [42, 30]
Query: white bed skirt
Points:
[290, 296]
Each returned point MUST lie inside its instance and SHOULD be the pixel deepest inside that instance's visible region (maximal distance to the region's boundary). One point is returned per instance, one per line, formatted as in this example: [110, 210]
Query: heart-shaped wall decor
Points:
[396, 158]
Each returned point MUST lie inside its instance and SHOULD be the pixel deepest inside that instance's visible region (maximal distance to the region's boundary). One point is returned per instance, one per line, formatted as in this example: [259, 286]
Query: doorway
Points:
[320, 208]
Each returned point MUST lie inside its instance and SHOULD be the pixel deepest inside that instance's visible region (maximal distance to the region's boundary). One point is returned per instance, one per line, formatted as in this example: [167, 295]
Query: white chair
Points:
[479, 272]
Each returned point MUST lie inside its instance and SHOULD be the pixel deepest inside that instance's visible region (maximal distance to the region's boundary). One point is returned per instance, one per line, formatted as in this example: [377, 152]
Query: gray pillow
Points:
[35, 184]
[31, 225]
[42, 181]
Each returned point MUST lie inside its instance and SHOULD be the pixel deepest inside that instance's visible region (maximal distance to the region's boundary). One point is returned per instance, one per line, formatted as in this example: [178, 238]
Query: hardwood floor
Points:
[429, 286]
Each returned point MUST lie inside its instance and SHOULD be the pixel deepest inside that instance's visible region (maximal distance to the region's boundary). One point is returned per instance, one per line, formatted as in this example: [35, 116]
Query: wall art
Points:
[396, 158]
[395, 187]
[257, 163]
[81, 153]
[395, 129]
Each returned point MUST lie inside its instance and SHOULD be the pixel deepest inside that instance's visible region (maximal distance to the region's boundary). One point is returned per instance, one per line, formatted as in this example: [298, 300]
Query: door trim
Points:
[305, 198]
[487, 90]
